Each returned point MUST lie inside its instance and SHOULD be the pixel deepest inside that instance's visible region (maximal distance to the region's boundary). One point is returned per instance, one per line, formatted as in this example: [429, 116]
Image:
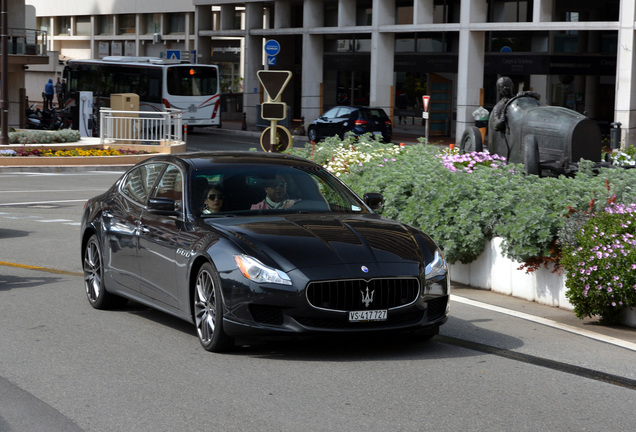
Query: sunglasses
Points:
[213, 197]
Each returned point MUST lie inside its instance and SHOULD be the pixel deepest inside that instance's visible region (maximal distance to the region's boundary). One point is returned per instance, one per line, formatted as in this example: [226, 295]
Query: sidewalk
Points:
[407, 134]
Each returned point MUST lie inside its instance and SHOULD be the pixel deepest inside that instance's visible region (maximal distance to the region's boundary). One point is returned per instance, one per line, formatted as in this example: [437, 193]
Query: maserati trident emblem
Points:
[366, 298]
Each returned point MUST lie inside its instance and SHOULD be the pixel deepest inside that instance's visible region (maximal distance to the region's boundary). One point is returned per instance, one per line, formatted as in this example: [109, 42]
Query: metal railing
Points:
[140, 127]
[21, 41]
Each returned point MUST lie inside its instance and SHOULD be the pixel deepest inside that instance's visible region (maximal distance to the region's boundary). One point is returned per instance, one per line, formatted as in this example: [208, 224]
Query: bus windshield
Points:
[191, 81]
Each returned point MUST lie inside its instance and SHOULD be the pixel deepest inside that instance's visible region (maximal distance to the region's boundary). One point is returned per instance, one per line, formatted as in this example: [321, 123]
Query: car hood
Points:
[302, 241]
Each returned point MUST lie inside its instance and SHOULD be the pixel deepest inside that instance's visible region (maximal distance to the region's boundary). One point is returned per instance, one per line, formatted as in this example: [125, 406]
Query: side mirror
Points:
[162, 206]
[373, 200]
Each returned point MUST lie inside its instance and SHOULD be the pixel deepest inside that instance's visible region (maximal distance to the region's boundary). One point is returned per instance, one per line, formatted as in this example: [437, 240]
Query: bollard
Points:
[615, 135]
[302, 131]
[244, 125]
[185, 133]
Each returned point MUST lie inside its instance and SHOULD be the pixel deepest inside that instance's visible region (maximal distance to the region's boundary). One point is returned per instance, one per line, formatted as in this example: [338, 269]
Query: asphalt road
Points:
[65, 366]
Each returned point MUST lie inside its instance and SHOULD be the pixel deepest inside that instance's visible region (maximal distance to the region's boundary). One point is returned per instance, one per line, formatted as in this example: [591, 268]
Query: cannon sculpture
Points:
[542, 137]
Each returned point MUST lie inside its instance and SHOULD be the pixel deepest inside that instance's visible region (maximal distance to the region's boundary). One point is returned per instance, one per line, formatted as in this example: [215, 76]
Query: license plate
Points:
[369, 315]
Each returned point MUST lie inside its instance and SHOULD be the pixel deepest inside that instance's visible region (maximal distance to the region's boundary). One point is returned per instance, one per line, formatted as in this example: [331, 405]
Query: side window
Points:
[344, 113]
[140, 181]
[170, 185]
[331, 113]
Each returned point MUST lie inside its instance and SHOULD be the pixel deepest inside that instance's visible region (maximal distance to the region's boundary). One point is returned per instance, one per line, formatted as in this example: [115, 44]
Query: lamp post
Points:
[4, 77]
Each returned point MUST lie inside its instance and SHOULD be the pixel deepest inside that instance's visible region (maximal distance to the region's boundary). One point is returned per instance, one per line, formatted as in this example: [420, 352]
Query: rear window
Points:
[379, 113]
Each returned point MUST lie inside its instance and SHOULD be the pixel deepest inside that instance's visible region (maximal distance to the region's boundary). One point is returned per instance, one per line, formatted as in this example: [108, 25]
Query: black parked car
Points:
[258, 244]
[340, 120]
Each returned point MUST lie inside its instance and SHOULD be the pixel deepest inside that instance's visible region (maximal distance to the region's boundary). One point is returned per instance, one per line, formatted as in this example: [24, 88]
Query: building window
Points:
[446, 11]
[364, 13]
[510, 11]
[331, 13]
[176, 23]
[105, 25]
[515, 42]
[44, 24]
[63, 26]
[599, 10]
[83, 25]
[239, 19]
[348, 43]
[127, 24]
[152, 23]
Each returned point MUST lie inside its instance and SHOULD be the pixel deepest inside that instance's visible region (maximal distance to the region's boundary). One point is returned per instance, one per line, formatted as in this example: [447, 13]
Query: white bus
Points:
[160, 84]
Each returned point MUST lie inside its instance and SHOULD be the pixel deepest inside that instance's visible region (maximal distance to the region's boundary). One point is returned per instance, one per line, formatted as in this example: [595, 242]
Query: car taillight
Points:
[361, 122]
[166, 103]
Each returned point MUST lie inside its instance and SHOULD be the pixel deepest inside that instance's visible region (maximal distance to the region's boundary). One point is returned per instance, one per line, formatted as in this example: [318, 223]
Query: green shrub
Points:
[43, 137]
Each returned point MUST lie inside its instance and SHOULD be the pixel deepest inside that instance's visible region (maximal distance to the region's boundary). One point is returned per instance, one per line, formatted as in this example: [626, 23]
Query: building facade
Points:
[26, 47]
[575, 53]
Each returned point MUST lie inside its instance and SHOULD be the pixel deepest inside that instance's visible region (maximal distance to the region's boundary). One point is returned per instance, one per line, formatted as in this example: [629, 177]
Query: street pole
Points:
[4, 77]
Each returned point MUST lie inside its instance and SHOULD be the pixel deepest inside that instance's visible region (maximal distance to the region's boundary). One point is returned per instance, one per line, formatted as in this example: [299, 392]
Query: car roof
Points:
[200, 160]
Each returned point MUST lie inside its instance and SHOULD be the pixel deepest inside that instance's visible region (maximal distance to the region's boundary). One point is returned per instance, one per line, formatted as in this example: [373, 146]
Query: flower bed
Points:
[54, 150]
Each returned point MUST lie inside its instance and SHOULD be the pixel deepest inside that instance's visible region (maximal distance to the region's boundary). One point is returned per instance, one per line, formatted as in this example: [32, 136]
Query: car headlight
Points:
[258, 272]
[436, 276]
[437, 267]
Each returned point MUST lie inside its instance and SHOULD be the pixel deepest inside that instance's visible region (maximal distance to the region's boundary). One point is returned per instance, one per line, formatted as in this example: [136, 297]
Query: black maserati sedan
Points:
[255, 245]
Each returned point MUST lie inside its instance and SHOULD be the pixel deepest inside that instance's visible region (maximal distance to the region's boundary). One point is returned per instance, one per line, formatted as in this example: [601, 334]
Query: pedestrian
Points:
[58, 93]
[64, 92]
[49, 91]
[401, 102]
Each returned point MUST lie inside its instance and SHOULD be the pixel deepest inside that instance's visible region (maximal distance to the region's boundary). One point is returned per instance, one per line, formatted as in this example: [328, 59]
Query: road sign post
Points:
[425, 115]
[272, 48]
[274, 82]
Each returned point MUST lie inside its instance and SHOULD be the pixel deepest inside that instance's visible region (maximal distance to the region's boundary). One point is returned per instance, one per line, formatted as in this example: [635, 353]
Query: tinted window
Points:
[170, 185]
[245, 187]
[192, 81]
[139, 182]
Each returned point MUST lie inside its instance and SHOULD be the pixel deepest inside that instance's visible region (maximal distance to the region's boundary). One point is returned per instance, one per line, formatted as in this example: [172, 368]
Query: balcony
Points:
[26, 46]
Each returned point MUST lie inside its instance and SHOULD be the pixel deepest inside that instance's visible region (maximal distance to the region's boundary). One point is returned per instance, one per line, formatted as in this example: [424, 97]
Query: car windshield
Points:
[230, 189]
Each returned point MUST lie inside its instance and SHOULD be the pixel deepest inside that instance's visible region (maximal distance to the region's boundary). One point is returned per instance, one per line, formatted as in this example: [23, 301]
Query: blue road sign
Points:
[272, 47]
[271, 60]
[173, 54]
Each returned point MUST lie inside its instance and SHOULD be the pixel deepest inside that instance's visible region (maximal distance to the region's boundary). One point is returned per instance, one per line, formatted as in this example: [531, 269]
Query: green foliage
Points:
[601, 268]
[43, 137]
[537, 218]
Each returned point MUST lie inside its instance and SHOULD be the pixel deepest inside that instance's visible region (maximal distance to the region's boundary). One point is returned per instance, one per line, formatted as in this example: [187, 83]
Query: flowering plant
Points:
[468, 162]
[47, 152]
[601, 269]
[620, 158]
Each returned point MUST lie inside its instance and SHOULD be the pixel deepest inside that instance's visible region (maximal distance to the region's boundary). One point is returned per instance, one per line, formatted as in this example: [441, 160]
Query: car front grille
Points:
[359, 294]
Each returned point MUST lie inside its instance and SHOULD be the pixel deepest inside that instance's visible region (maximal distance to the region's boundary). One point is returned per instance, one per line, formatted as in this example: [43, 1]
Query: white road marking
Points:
[547, 322]
[42, 202]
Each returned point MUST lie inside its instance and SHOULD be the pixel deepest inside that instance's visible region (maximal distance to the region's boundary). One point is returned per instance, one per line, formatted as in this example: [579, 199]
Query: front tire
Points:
[208, 311]
[93, 266]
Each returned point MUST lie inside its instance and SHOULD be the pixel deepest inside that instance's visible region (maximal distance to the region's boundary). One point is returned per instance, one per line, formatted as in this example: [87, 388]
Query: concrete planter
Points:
[89, 143]
[497, 273]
